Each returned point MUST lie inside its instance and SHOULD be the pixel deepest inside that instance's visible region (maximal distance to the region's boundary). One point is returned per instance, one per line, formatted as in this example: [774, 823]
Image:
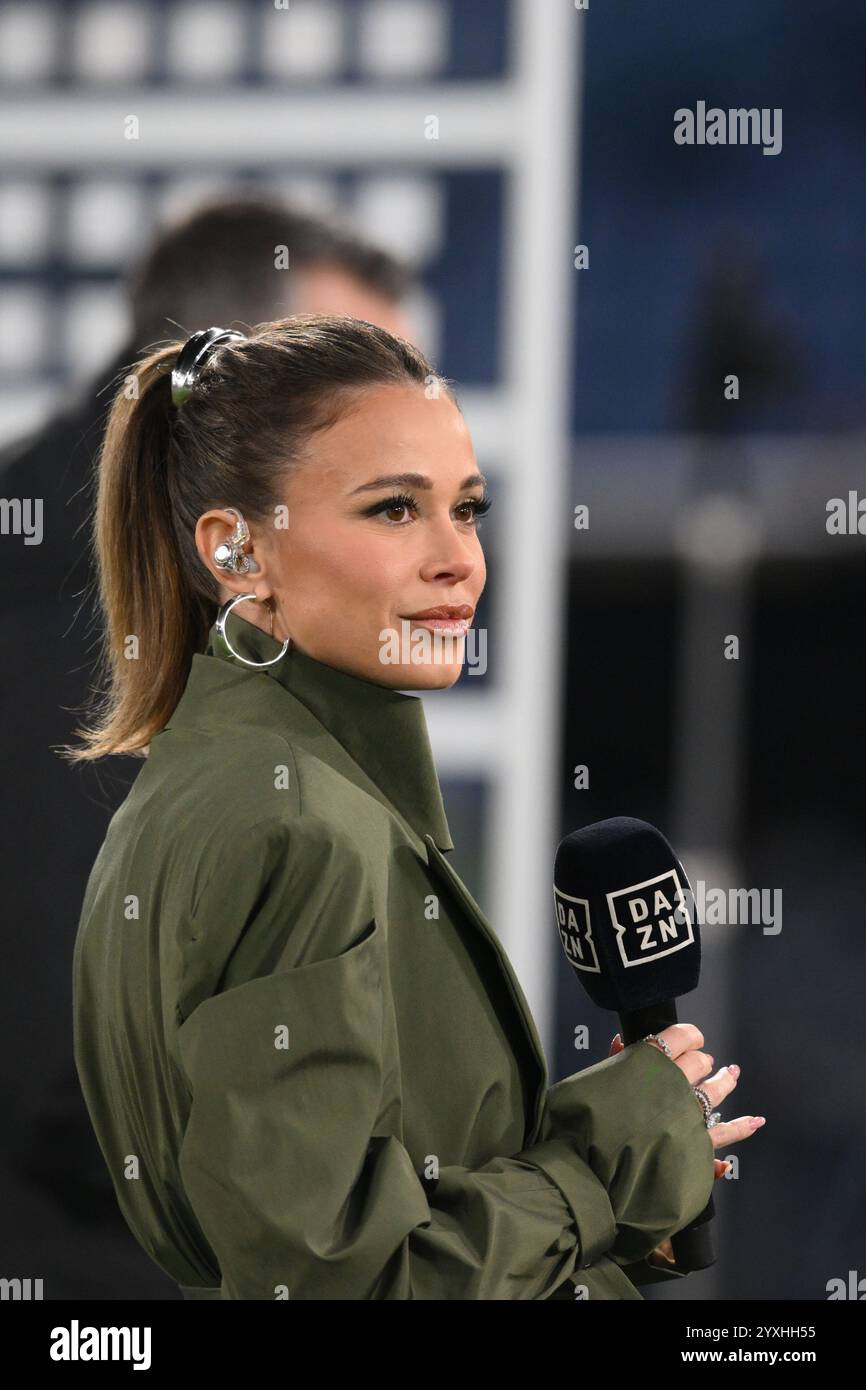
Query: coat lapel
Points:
[439, 864]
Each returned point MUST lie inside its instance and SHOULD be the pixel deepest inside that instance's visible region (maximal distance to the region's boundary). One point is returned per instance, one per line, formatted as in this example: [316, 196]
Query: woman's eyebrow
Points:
[419, 480]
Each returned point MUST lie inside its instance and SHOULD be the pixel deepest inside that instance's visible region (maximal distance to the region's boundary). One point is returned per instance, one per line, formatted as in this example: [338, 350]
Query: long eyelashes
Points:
[479, 506]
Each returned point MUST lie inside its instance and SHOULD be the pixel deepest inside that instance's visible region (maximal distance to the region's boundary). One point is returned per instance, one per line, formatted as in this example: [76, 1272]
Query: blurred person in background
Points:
[218, 264]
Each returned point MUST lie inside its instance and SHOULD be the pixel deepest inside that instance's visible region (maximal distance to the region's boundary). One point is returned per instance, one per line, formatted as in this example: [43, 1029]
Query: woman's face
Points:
[355, 565]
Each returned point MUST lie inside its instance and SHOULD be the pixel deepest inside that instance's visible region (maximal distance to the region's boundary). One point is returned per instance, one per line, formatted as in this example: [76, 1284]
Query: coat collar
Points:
[383, 730]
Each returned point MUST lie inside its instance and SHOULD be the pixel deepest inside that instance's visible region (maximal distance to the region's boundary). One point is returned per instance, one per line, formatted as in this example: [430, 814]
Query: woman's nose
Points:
[450, 551]
[455, 565]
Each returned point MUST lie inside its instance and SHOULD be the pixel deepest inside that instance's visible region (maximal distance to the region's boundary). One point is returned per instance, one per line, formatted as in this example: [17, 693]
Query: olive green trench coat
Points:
[309, 1065]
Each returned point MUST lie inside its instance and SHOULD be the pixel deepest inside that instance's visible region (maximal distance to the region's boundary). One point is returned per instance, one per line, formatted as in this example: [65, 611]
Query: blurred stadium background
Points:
[602, 386]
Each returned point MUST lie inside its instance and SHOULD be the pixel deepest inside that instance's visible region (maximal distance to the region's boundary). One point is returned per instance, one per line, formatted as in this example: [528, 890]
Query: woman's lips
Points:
[452, 618]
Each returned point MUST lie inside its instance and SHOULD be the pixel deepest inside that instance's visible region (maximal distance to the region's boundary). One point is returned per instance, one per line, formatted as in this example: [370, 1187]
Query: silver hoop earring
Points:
[221, 629]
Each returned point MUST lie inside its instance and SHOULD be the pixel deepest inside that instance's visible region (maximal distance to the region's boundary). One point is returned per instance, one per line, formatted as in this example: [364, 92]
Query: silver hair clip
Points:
[192, 358]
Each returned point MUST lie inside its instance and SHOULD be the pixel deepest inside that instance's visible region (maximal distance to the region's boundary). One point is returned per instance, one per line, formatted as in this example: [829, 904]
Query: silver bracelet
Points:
[711, 1116]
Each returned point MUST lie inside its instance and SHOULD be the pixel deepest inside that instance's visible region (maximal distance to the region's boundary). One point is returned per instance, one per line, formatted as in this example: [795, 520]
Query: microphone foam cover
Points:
[625, 913]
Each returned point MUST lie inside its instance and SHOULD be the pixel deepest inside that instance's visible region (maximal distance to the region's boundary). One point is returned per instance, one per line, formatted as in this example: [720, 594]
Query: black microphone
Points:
[623, 911]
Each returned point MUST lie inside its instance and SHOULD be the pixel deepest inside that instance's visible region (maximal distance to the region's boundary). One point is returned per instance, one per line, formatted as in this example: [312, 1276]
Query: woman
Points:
[309, 1065]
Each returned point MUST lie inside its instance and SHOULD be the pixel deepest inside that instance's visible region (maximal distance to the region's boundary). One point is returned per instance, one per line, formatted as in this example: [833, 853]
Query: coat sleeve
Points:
[289, 1158]
[636, 1121]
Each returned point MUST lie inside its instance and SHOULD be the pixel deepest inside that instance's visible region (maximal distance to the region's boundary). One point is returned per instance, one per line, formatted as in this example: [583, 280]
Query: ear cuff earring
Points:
[229, 556]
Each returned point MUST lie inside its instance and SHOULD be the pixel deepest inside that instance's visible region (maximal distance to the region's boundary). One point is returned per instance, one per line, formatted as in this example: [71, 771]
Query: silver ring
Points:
[662, 1042]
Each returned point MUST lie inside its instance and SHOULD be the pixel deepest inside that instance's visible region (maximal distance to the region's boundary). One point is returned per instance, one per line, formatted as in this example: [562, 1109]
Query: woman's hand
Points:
[685, 1040]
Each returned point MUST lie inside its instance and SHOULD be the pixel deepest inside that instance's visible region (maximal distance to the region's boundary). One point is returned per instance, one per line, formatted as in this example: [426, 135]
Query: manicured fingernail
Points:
[758, 1120]
[733, 1069]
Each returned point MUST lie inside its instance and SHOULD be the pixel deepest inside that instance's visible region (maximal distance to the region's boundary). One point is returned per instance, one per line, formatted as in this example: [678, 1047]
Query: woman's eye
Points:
[392, 504]
[470, 508]
[476, 506]
[396, 507]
